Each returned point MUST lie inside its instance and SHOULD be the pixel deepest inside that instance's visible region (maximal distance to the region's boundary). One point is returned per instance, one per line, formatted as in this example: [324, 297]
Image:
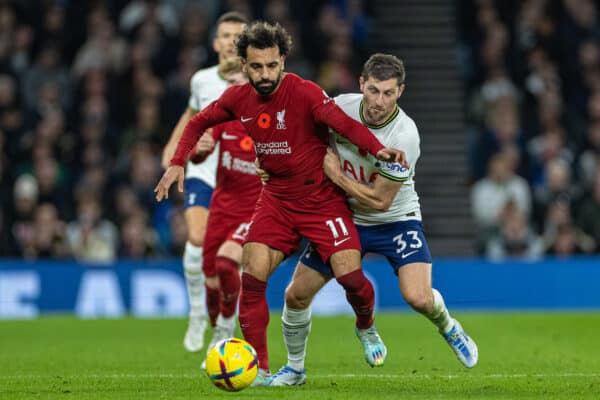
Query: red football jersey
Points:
[238, 185]
[289, 129]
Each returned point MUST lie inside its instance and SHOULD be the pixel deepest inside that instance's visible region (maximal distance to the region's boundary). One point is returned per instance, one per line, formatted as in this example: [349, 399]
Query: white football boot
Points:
[288, 376]
[194, 336]
[464, 347]
[374, 348]
[262, 379]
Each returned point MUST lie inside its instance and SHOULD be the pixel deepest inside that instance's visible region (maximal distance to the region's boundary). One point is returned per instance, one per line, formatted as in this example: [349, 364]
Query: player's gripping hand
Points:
[393, 155]
[262, 174]
[172, 174]
[331, 165]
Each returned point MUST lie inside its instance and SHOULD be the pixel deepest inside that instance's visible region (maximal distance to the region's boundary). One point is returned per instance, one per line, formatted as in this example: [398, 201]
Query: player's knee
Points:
[226, 265]
[354, 281]
[420, 301]
[253, 268]
[296, 298]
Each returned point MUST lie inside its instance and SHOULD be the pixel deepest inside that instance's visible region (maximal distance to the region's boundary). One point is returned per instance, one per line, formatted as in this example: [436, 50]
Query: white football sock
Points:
[440, 315]
[296, 327]
[227, 323]
[194, 279]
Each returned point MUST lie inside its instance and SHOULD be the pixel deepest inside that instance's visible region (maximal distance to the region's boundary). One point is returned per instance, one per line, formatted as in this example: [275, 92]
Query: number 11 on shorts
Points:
[331, 224]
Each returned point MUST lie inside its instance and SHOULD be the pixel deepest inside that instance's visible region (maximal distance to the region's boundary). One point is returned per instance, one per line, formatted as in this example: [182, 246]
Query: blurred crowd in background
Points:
[532, 71]
[89, 93]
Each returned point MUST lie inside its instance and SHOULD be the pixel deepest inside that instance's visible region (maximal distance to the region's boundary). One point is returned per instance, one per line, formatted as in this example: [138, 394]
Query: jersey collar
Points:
[382, 125]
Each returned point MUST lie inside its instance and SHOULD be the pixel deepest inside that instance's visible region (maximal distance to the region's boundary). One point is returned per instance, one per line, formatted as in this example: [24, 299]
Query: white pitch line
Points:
[315, 376]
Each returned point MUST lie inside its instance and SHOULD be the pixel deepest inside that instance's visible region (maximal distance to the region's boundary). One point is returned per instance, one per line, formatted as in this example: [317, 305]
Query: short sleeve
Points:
[194, 101]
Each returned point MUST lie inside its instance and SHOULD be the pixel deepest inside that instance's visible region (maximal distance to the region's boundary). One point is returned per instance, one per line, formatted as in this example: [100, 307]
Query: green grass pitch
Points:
[522, 356]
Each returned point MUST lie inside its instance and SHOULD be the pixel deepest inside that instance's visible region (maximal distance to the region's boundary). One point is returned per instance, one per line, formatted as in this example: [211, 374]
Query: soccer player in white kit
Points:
[206, 86]
[387, 215]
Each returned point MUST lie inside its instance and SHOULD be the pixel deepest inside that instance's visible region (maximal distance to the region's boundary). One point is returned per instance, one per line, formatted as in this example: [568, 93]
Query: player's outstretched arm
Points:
[169, 149]
[212, 115]
[378, 197]
[357, 133]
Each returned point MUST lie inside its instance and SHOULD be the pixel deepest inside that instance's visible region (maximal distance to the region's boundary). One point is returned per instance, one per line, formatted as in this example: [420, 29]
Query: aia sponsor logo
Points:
[358, 172]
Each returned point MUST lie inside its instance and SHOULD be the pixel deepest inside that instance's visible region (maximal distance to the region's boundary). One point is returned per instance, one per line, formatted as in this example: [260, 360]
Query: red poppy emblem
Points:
[264, 120]
[246, 143]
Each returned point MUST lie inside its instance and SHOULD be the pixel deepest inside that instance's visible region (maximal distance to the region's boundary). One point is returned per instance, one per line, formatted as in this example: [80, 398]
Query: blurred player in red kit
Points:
[288, 119]
[232, 204]
[206, 85]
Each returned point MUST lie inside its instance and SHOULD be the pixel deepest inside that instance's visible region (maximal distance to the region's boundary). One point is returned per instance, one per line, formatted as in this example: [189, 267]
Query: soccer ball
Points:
[232, 364]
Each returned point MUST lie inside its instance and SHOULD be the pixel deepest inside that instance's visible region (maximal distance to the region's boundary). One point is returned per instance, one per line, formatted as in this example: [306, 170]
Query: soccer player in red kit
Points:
[288, 119]
[232, 204]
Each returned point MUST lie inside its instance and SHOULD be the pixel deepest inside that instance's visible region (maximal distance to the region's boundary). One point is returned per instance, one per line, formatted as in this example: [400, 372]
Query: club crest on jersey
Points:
[281, 120]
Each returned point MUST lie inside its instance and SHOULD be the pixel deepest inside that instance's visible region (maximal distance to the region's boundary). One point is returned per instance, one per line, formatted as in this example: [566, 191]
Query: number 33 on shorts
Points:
[408, 243]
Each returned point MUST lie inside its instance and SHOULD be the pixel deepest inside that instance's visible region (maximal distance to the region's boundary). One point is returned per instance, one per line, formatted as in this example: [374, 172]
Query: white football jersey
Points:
[206, 86]
[398, 132]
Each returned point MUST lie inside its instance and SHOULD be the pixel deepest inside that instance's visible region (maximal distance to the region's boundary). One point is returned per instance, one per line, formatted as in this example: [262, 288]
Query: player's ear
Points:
[282, 62]
[401, 90]
[215, 45]
[361, 82]
[244, 66]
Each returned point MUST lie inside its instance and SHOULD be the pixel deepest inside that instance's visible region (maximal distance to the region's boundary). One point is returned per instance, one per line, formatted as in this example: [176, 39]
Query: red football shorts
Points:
[219, 229]
[322, 217]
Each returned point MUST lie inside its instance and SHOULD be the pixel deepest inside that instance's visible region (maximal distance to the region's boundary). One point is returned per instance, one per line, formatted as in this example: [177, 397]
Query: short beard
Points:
[265, 91]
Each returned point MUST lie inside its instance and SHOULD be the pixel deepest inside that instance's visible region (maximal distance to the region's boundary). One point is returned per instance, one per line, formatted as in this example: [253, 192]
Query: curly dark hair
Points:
[383, 67]
[263, 35]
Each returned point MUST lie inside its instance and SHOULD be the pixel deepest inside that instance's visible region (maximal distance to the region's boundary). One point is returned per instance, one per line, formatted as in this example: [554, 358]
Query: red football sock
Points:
[230, 282]
[360, 295]
[254, 316]
[212, 304]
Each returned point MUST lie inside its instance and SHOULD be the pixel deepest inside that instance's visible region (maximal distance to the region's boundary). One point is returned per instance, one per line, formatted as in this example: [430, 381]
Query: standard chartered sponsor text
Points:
[273, 147]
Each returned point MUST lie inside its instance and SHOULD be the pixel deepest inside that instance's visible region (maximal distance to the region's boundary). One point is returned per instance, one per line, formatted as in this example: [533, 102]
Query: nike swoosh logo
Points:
[245, 119]
[227, 136]
[338, 242]
[403, 256]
